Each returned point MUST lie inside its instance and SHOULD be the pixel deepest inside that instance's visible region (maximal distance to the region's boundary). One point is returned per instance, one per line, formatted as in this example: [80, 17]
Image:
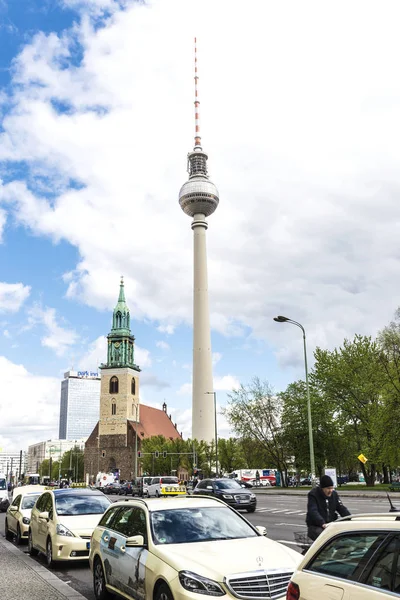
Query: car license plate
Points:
[242, 501]
[88, 545]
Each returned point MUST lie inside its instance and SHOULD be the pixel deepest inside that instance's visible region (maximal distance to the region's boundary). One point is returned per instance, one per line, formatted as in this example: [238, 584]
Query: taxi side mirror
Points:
[135, 541]
[44, 515]
[13, 508]
[262, 530]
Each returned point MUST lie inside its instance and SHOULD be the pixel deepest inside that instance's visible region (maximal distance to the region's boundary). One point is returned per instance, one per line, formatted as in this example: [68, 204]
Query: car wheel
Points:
[163, 593]
[252, 509]
[7, 532]
[157, 494]
[32, 551]
[49, 553]
[19, 536]
[99, 582]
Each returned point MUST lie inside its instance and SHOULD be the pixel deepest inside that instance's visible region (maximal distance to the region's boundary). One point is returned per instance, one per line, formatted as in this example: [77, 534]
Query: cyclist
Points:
[323, 507]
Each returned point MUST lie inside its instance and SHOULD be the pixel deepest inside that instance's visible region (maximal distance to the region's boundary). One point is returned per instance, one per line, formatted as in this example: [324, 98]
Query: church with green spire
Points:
[123, 421]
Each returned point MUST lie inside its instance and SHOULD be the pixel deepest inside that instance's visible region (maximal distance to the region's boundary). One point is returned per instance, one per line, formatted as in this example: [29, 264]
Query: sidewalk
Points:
[22, 578]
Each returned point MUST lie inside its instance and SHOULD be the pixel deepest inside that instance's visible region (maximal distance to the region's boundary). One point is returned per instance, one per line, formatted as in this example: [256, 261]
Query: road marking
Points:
[291, 524]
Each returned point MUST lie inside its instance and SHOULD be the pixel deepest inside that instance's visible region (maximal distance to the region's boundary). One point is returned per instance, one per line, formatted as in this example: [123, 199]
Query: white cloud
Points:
[216, 357]
[168, 329]
[6, 333]
[163, 345]
[12, 296]
[308, 218]
[38, 399]
[57, 338]
[3, 220]
[226, 383]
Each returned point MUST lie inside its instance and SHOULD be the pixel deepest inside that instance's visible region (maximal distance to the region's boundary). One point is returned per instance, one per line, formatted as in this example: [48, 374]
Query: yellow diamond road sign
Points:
[362, 458]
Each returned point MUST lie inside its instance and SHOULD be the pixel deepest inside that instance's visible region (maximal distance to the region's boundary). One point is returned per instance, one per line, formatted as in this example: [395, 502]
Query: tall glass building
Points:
[80, 404]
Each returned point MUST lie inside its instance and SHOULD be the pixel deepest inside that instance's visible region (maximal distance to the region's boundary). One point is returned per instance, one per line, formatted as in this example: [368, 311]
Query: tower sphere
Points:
[198, 196]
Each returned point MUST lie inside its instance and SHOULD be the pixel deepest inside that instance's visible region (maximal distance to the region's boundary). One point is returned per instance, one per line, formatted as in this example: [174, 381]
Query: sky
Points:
[300, 117]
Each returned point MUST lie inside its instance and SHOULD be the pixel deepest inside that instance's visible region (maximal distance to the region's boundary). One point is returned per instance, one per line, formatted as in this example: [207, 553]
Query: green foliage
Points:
[350, 380]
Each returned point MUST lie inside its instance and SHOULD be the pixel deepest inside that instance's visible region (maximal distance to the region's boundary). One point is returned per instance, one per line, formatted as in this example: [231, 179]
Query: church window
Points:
[113, 408]
[114, 385]
[133, 386]
[118, 320]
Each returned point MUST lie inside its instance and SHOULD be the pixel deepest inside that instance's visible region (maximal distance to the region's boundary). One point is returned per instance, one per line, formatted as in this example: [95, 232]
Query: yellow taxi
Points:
[62, 522]
[185, 548]
[18, 514]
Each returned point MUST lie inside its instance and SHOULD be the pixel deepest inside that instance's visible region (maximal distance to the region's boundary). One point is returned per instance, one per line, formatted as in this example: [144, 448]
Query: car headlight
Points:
[227, 496]
[62, 530]
[26, 520]
[252, 496]
[200, 585]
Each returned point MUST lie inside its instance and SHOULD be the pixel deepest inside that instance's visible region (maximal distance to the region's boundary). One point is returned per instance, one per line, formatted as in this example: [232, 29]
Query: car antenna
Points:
[392, 507]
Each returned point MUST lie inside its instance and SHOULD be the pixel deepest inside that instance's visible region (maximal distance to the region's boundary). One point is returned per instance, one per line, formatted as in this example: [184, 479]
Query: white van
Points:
[4, 503]
[154, 488]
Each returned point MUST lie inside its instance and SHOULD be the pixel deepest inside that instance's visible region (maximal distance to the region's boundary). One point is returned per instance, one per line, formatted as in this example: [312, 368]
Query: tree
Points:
[351, 379]
[230, 455]
[255, 412]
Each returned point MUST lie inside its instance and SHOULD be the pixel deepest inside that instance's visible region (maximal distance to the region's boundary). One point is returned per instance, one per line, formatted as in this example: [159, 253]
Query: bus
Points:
[32, 479]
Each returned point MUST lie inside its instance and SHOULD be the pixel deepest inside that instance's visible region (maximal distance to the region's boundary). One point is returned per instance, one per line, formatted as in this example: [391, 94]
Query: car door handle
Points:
[123, 549]
[106, 538]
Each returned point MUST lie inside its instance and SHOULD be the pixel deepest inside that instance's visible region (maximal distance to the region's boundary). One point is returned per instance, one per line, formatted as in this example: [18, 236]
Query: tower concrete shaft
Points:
[202, 402]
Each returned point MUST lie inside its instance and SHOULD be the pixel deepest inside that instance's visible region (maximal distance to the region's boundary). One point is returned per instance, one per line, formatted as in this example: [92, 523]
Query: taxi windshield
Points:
[29, 501]
[69, 504]
[2, 484]
[186, 525]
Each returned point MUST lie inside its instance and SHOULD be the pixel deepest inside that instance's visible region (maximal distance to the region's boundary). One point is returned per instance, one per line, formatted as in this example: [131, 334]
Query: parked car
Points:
[184, 548]
[125, 489]
[62, 523]
[112, 488]
[18, 514]
[355, 558]
[229, 491]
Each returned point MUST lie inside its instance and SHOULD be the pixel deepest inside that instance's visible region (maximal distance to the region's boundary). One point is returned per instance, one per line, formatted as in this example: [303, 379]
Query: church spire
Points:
[120, 351]
[121, 315]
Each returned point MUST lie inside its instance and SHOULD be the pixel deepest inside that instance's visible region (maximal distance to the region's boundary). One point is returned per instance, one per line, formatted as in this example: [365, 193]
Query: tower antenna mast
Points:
[197, 136]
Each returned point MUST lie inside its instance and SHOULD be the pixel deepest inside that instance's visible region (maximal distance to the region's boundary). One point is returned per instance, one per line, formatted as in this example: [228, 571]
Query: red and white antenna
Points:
[197, 137]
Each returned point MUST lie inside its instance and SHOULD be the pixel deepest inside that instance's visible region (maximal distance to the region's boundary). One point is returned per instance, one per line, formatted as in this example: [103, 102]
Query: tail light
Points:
[293, 591]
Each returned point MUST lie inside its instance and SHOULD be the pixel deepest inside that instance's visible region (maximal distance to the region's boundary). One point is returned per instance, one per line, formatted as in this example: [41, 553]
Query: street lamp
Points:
[281, 319]
[216, 431]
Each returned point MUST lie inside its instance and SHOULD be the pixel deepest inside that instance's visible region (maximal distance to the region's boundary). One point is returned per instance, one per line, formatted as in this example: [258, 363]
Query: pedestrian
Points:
[257, 478]
[323, 507]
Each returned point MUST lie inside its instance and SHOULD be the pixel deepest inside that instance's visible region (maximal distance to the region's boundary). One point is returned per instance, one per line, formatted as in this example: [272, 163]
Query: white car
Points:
[355, 558]
[18, 515]
[185, 548]
[157, 483]
[62, 522]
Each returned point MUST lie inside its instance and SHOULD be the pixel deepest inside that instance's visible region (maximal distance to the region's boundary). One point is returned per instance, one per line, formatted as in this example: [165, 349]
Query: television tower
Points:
[198, 198]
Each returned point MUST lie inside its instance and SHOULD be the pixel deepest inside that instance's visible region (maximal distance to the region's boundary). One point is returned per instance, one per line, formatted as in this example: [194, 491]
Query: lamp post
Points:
[281, 319]
[215, 431]
[136, 434]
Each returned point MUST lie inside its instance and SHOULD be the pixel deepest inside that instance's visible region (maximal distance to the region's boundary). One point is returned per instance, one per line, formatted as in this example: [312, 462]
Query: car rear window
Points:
[169, 480]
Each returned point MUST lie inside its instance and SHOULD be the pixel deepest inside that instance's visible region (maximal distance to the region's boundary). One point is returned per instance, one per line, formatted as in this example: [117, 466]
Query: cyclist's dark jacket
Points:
[321, 509]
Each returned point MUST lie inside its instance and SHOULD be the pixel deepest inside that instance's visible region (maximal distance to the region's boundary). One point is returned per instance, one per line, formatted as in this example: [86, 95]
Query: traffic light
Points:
[156, 454]
[139, 454]
[164, 454]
